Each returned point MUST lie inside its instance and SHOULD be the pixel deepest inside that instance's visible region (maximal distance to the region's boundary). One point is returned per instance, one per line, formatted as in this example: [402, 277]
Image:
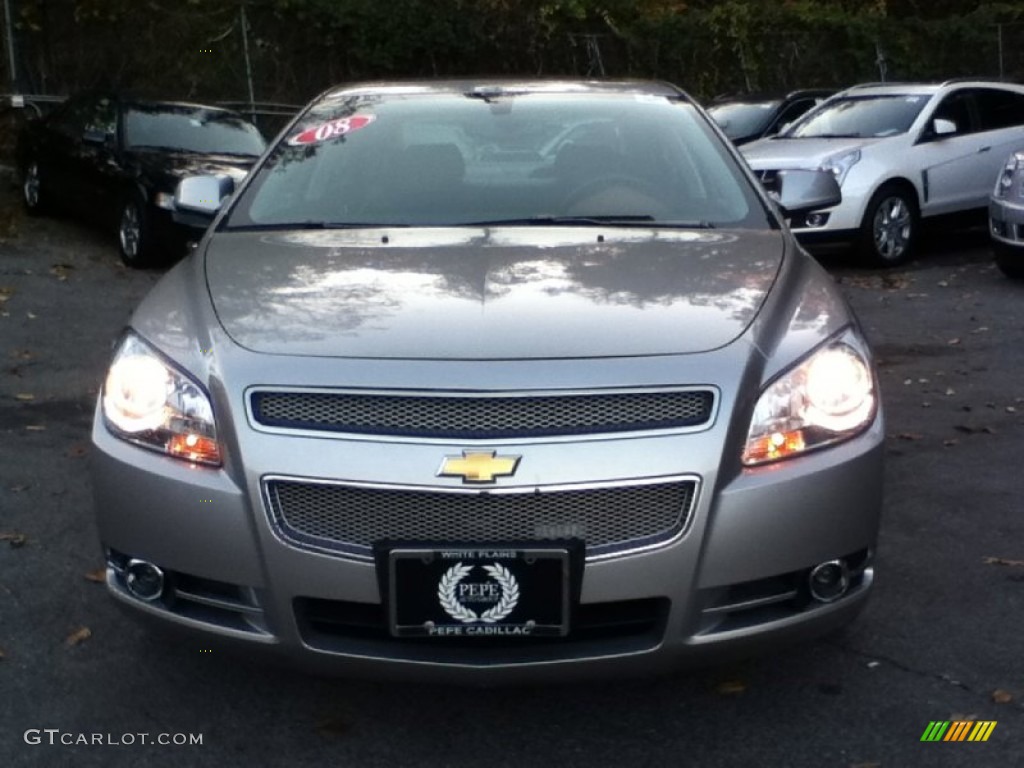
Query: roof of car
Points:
[869, 89]
[762, 97]
[497, 86]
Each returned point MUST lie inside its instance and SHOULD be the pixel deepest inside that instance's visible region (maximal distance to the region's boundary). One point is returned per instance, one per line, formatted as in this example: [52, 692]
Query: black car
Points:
[118, 161]
[748, 116]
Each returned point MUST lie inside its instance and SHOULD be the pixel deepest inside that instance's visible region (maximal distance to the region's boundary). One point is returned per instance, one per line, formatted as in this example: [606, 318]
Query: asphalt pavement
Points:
[942, 639]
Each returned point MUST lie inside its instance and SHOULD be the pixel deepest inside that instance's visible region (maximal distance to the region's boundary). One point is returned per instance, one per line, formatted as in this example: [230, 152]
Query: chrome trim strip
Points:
[213, 602]
[748, 604]
[476, 394]
[689, 514]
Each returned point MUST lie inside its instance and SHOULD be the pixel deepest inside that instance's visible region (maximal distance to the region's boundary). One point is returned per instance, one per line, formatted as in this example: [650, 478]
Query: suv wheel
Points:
[889, 231]
[134, 239]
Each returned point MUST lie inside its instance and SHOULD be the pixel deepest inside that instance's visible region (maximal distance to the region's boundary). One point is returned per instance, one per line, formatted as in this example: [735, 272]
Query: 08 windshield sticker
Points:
[331, 130]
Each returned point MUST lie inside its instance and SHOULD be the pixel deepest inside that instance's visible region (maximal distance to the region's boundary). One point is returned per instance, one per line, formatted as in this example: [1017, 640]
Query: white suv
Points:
[901, 152]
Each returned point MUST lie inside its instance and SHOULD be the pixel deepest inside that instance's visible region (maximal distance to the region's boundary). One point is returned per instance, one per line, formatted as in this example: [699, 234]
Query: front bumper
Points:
[732, 583]
[1006, 223]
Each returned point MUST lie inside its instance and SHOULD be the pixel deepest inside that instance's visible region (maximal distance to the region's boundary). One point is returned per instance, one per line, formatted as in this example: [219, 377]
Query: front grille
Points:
[482, 417]
[350, 519]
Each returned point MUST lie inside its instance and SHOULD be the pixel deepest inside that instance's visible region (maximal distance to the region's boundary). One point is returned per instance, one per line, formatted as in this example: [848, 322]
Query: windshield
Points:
[190, 129]
[860, 117]
[449, 159]
[739, 120]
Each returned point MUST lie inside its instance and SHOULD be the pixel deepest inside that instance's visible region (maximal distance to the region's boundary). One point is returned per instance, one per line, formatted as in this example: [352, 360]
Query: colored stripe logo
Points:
[958, 730]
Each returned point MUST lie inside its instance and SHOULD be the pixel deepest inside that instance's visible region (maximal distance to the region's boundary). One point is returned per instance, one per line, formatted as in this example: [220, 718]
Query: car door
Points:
[1001, 111]
[954, 167]
[96, 158]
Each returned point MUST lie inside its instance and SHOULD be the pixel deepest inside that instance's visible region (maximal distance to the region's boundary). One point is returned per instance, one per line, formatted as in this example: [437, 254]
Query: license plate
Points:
[479, 591]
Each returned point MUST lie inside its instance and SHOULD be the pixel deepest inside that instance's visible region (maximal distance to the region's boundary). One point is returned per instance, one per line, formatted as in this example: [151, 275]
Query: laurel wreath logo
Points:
[454, 607]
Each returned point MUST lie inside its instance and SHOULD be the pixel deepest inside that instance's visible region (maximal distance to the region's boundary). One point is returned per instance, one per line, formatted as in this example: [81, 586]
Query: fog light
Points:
[816, 219]
[829, 581]
[144, 580]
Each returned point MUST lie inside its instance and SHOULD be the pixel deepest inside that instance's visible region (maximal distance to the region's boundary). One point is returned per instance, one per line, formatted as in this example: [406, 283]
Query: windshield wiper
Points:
[283, 226]
[829, 136]
[560, 221]
[600, 220]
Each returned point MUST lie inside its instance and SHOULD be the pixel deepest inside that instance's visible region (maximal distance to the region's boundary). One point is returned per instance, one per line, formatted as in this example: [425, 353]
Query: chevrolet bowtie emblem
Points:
[478, 466]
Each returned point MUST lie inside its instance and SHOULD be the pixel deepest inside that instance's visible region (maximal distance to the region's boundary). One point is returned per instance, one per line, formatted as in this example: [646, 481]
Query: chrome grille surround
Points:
[346, 519]
[446, 416]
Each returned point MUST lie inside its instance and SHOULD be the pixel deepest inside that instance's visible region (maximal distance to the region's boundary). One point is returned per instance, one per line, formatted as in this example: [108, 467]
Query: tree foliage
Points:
[196, 48]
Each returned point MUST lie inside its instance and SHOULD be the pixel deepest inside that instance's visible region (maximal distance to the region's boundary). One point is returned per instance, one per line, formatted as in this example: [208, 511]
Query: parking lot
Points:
[940, 641]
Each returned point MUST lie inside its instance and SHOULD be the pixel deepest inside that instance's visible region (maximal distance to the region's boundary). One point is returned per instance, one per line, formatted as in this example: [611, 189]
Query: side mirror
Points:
[198, 198]
[801, 191]
[943, 127]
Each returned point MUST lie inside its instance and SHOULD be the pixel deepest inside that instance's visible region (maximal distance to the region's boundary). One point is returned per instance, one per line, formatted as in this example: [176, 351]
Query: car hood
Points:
[178, 165]
[480, 294]
[775, 153]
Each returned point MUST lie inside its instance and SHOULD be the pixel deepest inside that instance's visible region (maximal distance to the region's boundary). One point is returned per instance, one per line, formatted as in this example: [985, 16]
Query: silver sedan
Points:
[492, 381]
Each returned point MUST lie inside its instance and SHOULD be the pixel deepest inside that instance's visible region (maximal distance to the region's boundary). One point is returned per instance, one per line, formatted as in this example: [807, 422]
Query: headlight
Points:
[840, 165]
[827, 398]
[149, 402]
[1005, 181]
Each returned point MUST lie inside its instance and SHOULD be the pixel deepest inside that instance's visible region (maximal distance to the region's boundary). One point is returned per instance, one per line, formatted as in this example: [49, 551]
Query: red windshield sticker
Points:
[331, 130]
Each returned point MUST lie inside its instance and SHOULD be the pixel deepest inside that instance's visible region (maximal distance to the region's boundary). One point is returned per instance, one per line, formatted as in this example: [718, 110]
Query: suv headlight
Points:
[150, 402]
[826, 398]
[840, 165]
[1005, 181]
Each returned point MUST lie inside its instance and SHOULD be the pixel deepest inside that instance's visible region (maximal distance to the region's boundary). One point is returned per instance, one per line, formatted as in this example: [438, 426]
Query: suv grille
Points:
[484, 418]
[350, 519]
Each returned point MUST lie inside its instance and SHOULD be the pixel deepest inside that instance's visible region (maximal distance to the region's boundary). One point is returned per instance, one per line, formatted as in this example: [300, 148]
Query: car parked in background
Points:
[1006, 217]
[746, 117]
[902, 152]
[118, 162]
[494, 381]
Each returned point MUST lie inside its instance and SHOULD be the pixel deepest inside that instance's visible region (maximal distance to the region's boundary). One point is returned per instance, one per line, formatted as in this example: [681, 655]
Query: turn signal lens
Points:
[827, 398]
[149, 402]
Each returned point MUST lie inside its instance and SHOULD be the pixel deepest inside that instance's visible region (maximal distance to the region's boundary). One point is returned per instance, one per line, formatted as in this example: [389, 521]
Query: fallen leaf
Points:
[25, 397]
[99, 576]
[80, 635]
[873, 664]
[16, 540]
[31, 315]
[18, 488]
[972, 430]
[950, 443]
[1010, 409]
[999, 696]
[730, 687]
[953, 342]
[909, 436]
[1003, 561]
[35, 428]
[950, 391]
[77, 451]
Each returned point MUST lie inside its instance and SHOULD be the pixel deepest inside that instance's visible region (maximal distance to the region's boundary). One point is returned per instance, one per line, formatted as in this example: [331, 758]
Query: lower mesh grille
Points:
[351, 519]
